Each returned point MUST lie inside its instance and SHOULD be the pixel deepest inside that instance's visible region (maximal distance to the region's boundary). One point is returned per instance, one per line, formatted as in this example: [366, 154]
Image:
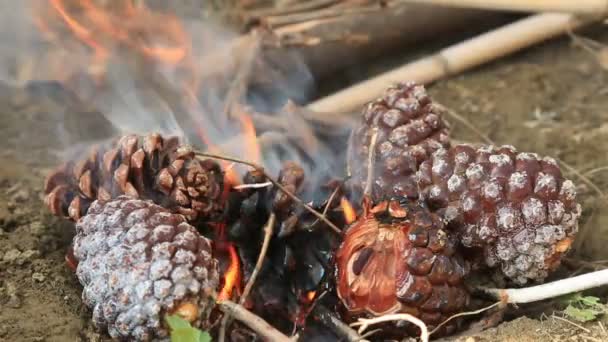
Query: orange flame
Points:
[310, 296]
[232, 275]
[349, 212]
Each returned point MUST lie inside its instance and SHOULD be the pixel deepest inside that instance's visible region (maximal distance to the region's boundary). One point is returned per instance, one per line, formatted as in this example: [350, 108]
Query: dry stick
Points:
[566, 6]
[550, 290]
[455, 59]
[466, 123]
[293, 197]
[268, 229]
[254, 322]
[584, 179]
[364, 323]
[371, 155]
[329, 201]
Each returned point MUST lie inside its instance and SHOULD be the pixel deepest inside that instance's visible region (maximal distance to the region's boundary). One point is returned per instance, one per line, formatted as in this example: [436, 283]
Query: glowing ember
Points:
[349, 212]
[310, 296]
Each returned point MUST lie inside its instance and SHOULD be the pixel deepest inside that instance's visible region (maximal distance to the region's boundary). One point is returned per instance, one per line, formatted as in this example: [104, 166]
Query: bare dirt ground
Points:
[551, 100]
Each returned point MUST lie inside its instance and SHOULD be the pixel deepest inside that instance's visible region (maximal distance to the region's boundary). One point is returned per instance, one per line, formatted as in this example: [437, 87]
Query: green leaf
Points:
[182, 331]
[176, 322]
[581, 315]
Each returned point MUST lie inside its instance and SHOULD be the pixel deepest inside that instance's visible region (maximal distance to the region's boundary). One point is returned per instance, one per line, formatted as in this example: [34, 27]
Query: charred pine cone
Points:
[138, 262]
[409, 129]
[399, 257]
[152, 167]
[516, 208]
[298, 262]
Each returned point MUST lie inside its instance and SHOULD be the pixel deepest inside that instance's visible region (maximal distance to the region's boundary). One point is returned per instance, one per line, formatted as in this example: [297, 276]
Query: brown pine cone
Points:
[409, 127]
[517, 208]
[152, 167]
[139, 262]
[398, 257]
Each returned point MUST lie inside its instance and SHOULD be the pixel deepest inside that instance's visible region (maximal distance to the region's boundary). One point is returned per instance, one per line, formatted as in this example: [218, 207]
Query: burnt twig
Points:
[293, 197]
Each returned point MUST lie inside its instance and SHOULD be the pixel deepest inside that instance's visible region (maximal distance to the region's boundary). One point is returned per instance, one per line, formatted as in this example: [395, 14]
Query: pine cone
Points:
[516, 207]
[409, 129]
[138, 262]
[153, 167]
[398, 257]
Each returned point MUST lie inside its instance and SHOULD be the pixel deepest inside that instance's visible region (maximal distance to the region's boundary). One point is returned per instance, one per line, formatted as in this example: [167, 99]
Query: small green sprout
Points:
[584, 308]
[182, 331]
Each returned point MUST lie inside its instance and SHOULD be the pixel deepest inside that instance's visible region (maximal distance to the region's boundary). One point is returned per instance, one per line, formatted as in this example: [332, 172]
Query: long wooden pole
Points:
[454, 59]
[592, 7]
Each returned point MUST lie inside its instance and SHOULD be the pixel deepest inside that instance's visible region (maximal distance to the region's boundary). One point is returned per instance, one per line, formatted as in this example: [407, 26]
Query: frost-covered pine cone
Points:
[151, 167]
[409, 129]
[398, 257]
[517, 208]
[138, 262]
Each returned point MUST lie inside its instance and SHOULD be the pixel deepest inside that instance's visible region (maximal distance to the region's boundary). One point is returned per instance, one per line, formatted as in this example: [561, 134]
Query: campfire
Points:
[224, 204]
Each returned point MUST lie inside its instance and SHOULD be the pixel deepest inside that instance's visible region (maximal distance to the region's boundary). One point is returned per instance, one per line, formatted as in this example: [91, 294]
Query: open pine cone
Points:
[398, 257]
[152, 167]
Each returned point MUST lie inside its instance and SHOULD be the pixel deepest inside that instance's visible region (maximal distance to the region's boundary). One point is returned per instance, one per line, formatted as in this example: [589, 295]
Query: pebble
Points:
[30, 255]
[13, 301]
[20, 196]
[11, 255]
[14, 256]
[39, 277]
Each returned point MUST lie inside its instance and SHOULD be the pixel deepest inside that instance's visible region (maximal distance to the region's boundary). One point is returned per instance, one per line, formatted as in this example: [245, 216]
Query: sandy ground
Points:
[550, 100]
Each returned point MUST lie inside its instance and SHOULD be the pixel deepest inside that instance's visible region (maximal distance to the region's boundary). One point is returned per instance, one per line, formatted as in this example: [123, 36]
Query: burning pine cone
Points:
[409, 128]
[153, 167]
[398, 257]
[138, 262]
[515, 207]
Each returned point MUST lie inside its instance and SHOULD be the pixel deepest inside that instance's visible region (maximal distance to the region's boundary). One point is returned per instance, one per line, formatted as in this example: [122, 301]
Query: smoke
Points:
[145, 71]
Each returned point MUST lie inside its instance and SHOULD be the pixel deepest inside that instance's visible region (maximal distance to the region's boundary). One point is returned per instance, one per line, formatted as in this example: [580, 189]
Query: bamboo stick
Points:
[454, 59]
[592, 7]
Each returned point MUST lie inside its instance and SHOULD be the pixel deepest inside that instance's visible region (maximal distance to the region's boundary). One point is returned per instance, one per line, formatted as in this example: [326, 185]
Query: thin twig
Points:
[328, 205]
[252, 186]
[364, 323]
[254, 322]
[223, 327]
[584, 179]
[293, 197]
[268, 229]
[550, 290]
[371, 155]
[466, 123]
[595, 170]
[572, 323]
[468, 313]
